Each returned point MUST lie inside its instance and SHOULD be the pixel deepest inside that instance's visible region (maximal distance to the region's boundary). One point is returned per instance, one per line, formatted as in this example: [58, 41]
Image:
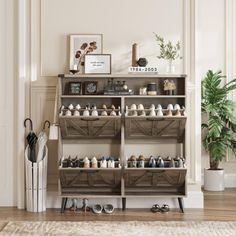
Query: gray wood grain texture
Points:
[124, 182]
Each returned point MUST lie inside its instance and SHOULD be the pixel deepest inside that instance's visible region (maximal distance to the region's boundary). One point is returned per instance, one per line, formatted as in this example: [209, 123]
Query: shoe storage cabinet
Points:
[122, 182]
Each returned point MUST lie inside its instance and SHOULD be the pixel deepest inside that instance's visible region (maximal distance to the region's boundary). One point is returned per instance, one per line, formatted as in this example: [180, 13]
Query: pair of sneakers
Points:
[156, 208]
[98, 209]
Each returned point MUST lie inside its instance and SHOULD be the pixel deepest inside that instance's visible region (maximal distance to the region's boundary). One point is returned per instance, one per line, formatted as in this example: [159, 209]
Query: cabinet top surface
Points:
[125, 96]
[131, 75]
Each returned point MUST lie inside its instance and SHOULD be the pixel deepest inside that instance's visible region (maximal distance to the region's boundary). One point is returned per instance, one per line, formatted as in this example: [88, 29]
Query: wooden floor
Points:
[218, 206]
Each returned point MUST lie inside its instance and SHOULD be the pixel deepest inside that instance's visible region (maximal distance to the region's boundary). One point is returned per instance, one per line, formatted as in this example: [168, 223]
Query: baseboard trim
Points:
[230, 180]
[194, 199]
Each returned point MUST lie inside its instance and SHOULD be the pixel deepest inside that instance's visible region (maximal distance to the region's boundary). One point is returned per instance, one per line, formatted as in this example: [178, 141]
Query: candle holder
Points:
[74, 71]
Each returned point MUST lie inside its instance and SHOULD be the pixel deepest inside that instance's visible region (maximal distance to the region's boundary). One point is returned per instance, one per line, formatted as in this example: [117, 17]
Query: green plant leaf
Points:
[168, 51]
[220, 128]
[217, 150]
[215, 126]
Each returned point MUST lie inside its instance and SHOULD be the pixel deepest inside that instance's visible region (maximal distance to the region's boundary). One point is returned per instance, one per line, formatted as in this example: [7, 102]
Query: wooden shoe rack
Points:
[122, 182]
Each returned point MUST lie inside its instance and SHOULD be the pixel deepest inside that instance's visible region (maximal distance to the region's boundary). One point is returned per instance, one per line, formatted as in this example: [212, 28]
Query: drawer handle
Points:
[89, 119]
[89, 171]
[154, 119]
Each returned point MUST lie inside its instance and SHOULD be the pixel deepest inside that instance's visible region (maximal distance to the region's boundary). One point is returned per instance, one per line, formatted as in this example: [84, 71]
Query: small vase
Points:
[170, 92]
[170, 67]
[81, 67]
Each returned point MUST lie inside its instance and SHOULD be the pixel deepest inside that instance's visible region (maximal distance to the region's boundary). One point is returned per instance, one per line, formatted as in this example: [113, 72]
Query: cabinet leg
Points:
[63, 204]
[181, 206]
[123, 203]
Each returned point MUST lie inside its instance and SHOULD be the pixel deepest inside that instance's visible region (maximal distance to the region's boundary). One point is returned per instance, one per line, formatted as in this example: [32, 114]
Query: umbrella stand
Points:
[36, 182]
[36, 169]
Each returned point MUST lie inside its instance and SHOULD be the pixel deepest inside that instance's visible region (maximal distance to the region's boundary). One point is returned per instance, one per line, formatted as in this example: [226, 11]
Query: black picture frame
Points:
[75, 88]
[94, 84]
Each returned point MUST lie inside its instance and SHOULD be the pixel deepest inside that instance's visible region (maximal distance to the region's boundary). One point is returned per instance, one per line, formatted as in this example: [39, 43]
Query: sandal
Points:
[108, 208]
[97, 209]
[165, 208]
[155, 208]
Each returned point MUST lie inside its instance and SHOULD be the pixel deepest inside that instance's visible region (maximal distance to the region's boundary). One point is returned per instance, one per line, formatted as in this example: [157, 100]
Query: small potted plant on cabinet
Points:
[168, 51]
[220, 126]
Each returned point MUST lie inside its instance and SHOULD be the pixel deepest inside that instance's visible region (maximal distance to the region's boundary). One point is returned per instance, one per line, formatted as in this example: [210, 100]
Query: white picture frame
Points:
[78, 43]
[97, 64]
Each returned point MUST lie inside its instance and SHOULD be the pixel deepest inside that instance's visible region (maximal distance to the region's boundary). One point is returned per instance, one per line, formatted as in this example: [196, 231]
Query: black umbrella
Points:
[32, 140]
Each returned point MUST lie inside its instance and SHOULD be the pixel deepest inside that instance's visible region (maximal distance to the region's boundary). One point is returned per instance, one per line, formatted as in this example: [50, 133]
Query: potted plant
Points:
[169, 87]
[168, 51]
[219, 128]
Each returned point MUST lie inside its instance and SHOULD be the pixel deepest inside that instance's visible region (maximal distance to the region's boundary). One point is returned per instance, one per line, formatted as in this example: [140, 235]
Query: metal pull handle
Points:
[89, 171]
[154, 119]
[89, 119]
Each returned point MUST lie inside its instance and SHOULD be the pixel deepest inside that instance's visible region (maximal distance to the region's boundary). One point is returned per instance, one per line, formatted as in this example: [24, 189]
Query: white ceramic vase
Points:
[214, 180]
[170, 68]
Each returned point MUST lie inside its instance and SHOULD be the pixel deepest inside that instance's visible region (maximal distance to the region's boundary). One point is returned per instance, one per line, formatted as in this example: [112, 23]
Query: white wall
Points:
[7, 75]
[216, 50]
[122, 23]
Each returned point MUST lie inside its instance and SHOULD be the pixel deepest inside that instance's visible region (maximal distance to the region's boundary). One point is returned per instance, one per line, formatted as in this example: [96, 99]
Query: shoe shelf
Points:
[130, 75]
[155, 181]
[164, 128]
[90, 181]
[89, 127]
[134, 81]
[152, 163]
[123, 129]
[90, 195]
[125, 96]
[155, 168]
[71, 164]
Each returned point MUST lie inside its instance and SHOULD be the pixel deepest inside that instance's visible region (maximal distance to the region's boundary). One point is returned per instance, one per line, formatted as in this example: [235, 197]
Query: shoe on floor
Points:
[155, 208]
[108, 208]
[165, 208]
[97, 209]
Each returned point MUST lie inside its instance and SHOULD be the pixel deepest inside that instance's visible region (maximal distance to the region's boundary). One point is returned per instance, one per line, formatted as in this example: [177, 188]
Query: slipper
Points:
[165, 208]
[97, 209]
[155, 208]
[108, 208]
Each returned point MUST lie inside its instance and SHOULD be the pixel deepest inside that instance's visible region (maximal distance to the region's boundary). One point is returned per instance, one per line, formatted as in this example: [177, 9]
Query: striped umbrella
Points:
[42, 140]
[32, 140]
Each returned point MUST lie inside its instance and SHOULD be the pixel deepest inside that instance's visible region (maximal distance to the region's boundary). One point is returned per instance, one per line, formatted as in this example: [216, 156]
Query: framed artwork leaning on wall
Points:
[97, 64]
[83, 44]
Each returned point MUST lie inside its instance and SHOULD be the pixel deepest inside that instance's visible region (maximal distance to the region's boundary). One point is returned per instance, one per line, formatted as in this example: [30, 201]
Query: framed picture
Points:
[75, 88]
[83, 44]
[90, 87]
[97, 64]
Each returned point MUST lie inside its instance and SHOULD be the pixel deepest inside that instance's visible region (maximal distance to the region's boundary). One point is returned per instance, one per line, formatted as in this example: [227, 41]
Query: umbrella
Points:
[32, 140]
[42, 140]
